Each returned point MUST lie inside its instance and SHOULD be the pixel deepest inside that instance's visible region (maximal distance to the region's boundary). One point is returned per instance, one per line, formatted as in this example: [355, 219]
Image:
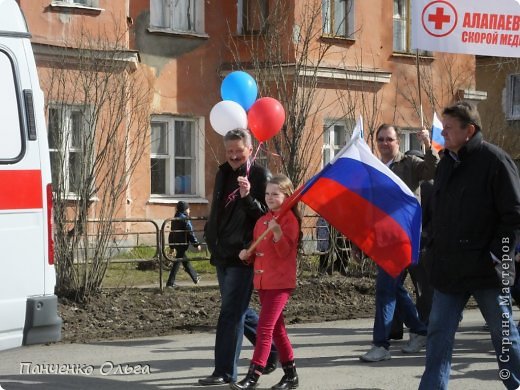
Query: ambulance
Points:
[28, 306]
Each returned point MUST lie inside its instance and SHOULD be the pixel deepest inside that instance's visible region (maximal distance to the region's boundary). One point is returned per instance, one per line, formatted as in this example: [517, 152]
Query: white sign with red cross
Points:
[482, 27]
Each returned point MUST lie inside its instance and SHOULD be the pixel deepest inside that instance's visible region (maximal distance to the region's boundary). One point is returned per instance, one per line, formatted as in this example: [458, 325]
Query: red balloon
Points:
[265, 118]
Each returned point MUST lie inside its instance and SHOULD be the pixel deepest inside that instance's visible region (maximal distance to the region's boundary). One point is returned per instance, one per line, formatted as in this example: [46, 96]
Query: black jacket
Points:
[230, 228]
[475, 212]
[181, 234]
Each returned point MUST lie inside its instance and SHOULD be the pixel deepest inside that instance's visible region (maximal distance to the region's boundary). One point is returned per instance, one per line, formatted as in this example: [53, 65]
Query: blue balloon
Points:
[239, 87]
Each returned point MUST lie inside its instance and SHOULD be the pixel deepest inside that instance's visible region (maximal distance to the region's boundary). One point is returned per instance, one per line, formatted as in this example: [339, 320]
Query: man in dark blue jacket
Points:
[179, 239]
[475, 225]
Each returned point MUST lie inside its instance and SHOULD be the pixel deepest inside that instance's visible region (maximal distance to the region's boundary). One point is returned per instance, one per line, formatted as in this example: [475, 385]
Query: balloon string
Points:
[232, 197]
[264, 148]
[254, 157]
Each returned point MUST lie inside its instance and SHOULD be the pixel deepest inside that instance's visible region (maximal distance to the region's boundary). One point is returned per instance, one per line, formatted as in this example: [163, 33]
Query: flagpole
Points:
[258, 241]
[419, 86]
[286, 206]
[300, 191]
[423, 148]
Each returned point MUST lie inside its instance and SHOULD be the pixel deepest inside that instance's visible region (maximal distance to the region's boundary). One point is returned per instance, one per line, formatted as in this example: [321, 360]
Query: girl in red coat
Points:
[275, 279]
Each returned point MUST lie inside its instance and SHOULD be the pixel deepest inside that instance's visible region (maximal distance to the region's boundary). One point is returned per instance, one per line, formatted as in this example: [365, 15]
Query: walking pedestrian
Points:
[179, 239]
[389, 291]
[238, 202]
[274, 262]
[475, 225]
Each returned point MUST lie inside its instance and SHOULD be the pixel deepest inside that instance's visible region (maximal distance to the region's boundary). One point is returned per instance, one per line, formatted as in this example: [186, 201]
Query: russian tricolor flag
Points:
[363, 199]
[437, 138]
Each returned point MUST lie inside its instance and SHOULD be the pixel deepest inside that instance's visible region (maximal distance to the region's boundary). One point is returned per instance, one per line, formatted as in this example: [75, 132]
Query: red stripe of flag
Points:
[369, 227]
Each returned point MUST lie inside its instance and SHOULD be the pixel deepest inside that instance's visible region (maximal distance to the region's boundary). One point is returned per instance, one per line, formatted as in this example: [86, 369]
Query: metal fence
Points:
[145, 242]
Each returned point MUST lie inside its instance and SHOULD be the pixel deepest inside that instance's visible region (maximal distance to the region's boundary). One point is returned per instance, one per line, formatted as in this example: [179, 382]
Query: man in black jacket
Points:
[238, 202]
[475, 225]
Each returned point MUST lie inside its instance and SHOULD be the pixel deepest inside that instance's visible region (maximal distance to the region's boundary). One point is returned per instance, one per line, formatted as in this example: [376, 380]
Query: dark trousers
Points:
[391, 295]
[236, 286]
[424, 296]
[423, 291]
[515, 290]
[236, 319]
[181, 259]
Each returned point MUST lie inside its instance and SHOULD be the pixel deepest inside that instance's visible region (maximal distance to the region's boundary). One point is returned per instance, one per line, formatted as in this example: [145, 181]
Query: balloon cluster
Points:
[264, 117]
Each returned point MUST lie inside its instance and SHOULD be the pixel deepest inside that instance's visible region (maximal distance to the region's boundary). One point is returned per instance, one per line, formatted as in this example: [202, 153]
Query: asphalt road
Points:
[327, 358]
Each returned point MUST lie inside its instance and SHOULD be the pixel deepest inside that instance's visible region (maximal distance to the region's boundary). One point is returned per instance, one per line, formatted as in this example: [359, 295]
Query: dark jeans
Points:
[424, 296]
[236, 286]
[181, 259]
[444, 322]
[390, 291]
[515, 290]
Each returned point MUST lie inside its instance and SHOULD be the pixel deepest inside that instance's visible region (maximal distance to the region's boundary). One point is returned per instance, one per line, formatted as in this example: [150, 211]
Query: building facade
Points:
[500, 77]
[327, 61]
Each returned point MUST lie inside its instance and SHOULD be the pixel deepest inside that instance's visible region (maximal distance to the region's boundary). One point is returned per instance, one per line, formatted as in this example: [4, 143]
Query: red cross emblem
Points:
[439, 18]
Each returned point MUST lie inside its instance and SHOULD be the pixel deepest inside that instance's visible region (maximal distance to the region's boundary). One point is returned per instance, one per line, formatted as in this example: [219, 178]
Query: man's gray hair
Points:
[239, 135]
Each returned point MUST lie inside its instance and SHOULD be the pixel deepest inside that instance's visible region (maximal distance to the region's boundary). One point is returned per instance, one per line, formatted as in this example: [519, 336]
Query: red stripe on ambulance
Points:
[21, 190]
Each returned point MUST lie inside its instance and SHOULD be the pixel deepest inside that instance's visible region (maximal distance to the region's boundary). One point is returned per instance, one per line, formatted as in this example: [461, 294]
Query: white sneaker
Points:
[376, 354]
[415, 344]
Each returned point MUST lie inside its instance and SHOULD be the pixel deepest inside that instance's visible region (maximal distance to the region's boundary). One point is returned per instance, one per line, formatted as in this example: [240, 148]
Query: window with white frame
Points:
[178, 15]
[67, 125]
[176, 160]
[513, 97]
[336, 134]
[338, 17]
[408, 140]
[403, 28]
[251, 16]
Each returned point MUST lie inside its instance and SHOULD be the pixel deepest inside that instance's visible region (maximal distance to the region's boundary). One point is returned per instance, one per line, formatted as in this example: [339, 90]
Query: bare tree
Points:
[296, 62]
[286, 62]
[98, 104]
[293, 62]
[441, 80]
[448, 77]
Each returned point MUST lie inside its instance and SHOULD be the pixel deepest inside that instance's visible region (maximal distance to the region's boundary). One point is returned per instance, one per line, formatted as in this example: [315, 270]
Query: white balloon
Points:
[227, 115]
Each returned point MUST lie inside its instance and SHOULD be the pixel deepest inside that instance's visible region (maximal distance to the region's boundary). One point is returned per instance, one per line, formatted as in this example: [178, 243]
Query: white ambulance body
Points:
[28, 306]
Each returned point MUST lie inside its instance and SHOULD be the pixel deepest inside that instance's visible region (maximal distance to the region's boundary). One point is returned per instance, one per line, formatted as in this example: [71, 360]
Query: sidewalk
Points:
[327, 356]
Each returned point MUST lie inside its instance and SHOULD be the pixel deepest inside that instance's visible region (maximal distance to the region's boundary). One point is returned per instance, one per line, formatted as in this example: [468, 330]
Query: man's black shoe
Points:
[213, 380]
[395, 336]
[270, 367]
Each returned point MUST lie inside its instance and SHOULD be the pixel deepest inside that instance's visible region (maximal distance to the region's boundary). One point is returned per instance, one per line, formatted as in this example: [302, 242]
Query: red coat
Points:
[275, 262]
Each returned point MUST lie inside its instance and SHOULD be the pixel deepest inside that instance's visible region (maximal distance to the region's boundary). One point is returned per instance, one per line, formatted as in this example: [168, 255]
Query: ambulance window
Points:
[10, 132]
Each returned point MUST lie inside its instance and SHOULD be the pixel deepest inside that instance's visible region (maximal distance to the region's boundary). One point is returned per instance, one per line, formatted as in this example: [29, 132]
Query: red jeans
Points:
[271, 327]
